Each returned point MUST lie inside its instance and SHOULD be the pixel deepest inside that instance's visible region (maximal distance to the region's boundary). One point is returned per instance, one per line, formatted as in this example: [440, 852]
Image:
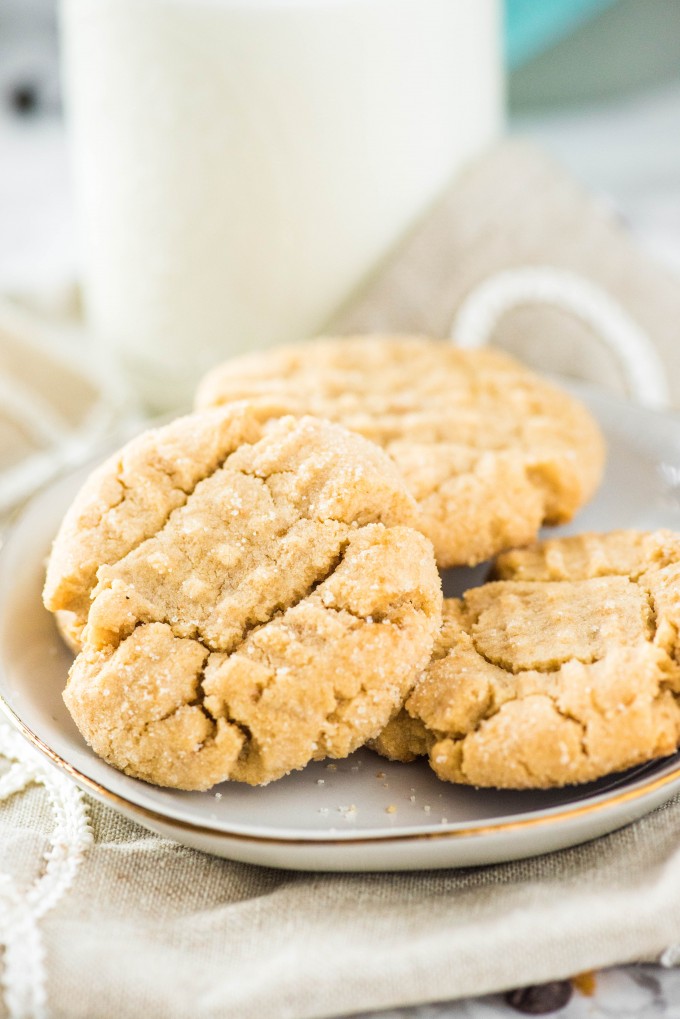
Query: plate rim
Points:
[600, 802]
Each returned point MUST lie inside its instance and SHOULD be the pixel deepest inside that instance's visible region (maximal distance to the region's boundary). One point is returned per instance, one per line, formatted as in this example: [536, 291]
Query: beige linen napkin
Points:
[58, 401]
[517, 208]
[111, 921]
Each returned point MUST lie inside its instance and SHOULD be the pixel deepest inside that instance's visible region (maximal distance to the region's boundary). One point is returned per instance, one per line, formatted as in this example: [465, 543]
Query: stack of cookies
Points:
[256, 585]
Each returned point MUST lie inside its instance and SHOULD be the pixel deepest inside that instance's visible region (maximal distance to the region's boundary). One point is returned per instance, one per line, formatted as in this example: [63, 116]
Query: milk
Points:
[241, 166]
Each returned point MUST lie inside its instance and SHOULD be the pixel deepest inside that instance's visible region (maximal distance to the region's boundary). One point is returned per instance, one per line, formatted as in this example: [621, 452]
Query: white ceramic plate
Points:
[363, 813]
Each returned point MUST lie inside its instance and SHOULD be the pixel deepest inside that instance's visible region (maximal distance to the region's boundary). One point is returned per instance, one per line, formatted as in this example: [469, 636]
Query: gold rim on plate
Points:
[569, 814]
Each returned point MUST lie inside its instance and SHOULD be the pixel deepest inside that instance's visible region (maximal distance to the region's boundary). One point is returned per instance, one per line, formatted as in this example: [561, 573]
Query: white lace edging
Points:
[23, 977]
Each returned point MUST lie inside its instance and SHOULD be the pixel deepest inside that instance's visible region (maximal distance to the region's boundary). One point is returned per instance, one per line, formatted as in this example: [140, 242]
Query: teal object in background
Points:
[531, 26]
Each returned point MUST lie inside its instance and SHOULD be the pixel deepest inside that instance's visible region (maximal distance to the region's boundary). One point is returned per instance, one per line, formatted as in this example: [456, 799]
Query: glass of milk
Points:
[241, 166]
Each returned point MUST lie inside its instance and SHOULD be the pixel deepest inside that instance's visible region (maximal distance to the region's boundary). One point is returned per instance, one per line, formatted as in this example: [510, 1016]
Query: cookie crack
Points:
[653, 620]
[199, 700]
[340, 702]
[378, 617]
[188, 491]
[126, 489]
[222, 466]
[335, 715]
[370, 617]
[280, 611]
[543, 667]
[276, 502]
[582, 726]
[522, 764]
[654, 627]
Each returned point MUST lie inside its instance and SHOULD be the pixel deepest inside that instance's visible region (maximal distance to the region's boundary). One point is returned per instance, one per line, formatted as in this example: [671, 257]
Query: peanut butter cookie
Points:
[250, 596]
[564, 670]
[489, 450]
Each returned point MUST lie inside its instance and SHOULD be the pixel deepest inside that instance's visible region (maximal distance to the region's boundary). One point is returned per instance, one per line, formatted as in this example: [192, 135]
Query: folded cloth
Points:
[99, 918]
[142, 926]
[57, 402]
[517, 208]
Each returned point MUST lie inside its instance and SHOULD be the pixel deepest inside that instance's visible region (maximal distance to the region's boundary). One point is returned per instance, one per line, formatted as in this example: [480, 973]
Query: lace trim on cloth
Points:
[23, 975]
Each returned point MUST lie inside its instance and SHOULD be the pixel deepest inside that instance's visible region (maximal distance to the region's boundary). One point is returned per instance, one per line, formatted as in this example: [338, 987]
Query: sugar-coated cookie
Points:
[490, 450]
[564, 670]
[249, 594]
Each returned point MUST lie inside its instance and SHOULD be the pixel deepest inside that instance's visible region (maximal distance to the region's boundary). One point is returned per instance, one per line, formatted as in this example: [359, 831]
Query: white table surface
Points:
[643, 992]
[638, 169]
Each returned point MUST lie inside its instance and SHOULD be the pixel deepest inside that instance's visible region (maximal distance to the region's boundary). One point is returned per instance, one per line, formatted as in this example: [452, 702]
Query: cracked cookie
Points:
[565, 669]
[489, 450]
[249, 596]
